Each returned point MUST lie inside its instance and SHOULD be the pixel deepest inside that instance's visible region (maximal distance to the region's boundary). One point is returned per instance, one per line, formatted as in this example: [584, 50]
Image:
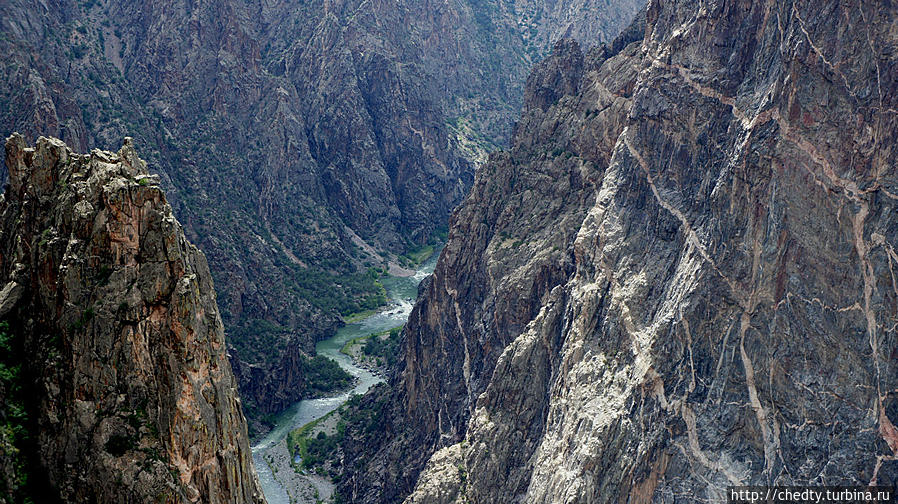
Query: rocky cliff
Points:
[122, 374]
[680, 277]
[300, 144]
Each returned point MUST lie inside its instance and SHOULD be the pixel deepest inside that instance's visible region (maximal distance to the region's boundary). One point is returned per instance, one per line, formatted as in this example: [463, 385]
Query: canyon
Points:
[303, 146]
[680, 277]
[670, 266]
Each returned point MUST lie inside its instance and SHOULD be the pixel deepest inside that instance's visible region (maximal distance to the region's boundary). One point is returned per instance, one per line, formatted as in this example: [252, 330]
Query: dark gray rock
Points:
[127, 385]
[680, 278]
[281, 130]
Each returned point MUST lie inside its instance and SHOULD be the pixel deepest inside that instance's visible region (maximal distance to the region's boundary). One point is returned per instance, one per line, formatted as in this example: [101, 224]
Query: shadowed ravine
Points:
[402, 292]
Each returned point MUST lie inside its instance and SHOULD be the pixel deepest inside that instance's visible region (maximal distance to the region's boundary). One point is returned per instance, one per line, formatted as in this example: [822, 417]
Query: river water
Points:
[401, 292]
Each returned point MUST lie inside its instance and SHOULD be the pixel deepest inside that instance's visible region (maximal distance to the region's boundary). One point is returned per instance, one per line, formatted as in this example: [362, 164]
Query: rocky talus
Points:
[682, 275]
[126, 383]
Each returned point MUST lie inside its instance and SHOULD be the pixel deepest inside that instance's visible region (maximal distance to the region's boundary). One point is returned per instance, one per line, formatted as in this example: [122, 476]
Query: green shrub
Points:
[343, 294]
[16, 443]
[324, 375]
[78, 51]
[384, 348]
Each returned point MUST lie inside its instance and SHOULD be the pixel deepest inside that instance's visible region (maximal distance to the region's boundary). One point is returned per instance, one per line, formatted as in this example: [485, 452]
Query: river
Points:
[401, 292]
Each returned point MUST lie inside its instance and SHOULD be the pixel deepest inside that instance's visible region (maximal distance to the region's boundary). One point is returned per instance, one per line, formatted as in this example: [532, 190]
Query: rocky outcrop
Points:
[679, 278]
[507, 251]
[588, 22]
[127, 384]
[283, 133]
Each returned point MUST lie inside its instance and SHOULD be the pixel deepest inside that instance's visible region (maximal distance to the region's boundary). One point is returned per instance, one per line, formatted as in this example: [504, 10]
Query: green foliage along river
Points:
[401, 292]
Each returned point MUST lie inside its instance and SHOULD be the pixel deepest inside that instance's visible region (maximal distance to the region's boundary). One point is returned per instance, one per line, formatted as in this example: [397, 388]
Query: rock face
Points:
[588, 22]
[127, 382]
[680, 277]
[286, 134]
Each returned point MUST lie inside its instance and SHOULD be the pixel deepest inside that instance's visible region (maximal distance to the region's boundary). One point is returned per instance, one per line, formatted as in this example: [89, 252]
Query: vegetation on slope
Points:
[384, 347]
[350, 295]
[324, 375]
[380, 350]
[346, 294]
[318, 451]
[14, 435]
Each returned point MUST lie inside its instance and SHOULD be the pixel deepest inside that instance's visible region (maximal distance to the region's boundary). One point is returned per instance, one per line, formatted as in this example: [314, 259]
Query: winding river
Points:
[401, 292]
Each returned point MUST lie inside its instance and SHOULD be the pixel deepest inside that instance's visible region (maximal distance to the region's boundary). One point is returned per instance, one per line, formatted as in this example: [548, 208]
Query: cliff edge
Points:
[681, 277]
[122, 382]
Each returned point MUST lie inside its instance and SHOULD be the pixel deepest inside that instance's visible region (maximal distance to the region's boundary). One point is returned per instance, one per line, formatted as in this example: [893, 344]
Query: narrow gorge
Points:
[280, 466]
[681, 277]
[665, 250]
